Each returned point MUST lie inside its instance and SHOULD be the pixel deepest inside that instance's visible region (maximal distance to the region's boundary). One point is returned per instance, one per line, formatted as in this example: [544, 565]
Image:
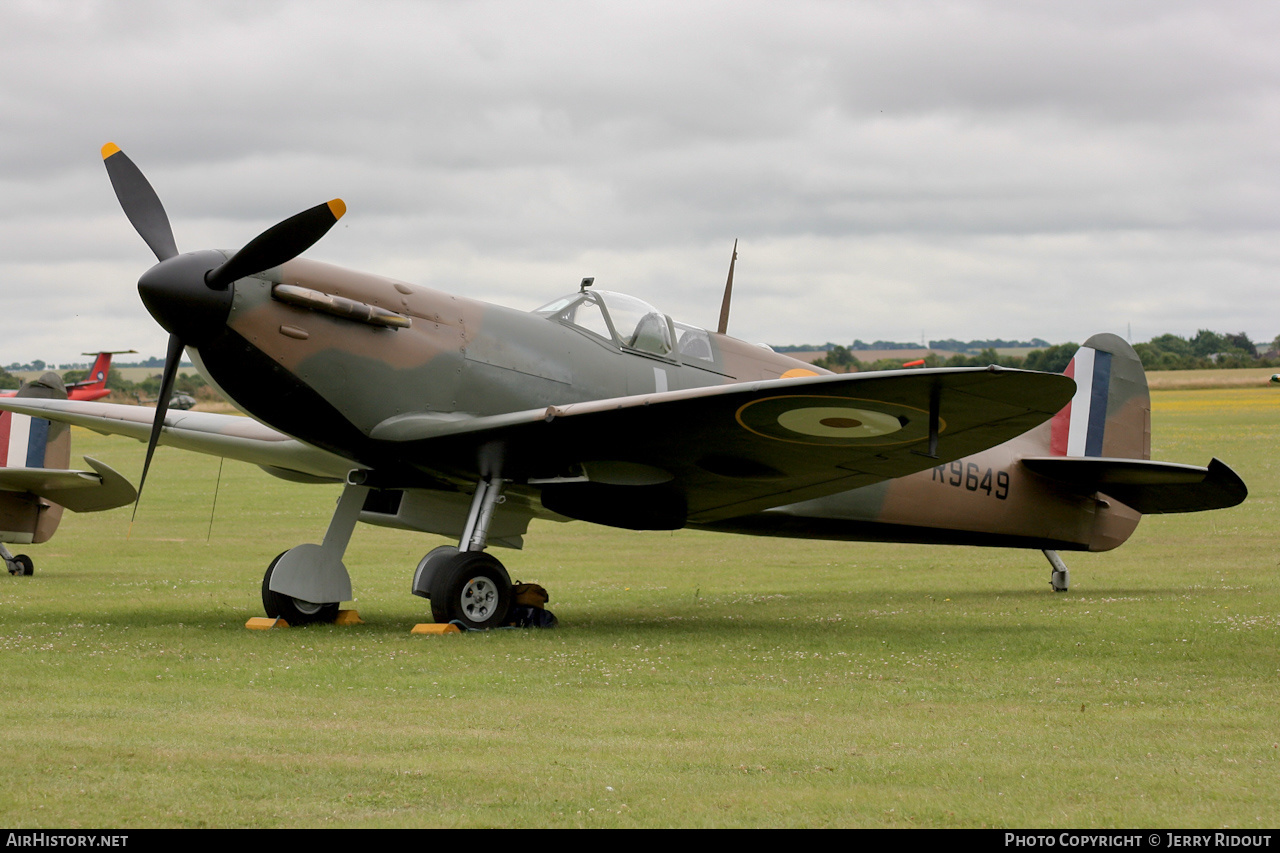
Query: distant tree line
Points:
[950, 345]
[1053, 359]
[827, 347]
[192, 384]
[154, 362]
[1206, 350]
[877, 345]
[1167, 352]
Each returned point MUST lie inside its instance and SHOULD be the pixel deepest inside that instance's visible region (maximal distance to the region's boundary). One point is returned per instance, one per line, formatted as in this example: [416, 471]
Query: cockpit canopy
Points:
[630, 323]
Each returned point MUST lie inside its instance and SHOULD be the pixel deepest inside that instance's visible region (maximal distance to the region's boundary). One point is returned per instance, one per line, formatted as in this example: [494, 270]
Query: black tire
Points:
[472, 588]
[295, 611]
[22, 563]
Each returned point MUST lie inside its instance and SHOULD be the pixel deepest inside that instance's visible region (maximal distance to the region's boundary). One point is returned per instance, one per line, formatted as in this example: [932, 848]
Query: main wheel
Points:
[295, 611]
[472, 588]
[23, 562]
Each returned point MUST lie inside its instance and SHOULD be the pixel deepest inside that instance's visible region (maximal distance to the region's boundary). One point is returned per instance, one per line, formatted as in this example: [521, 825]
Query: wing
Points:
[661, 460]
[1149, 487]
[230, 436]
[656, 460]
[79, 491]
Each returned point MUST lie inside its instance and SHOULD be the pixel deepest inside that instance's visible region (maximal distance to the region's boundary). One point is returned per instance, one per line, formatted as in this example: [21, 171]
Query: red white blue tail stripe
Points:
[1078, 430]
[22, 440]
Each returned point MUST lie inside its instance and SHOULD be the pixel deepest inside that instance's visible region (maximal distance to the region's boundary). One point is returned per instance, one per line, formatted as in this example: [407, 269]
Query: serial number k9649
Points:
[973, 477]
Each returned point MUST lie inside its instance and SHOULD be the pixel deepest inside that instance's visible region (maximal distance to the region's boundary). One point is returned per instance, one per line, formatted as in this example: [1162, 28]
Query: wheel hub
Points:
[479, 599]
[307, 608]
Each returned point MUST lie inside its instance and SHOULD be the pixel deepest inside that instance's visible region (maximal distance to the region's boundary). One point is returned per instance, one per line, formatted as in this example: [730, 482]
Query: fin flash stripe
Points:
[22, 440]
[1079, 429]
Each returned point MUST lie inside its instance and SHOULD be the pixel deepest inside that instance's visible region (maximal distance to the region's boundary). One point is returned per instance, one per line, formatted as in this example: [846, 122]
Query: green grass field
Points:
[696, 679]
[1244, 377]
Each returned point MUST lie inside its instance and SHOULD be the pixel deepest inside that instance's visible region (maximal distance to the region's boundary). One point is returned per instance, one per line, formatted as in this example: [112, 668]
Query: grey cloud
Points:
[967, 169]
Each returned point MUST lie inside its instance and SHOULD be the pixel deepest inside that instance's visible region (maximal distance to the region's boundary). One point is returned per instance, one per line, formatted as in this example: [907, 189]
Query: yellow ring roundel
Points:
[835, 421]
[838, 422]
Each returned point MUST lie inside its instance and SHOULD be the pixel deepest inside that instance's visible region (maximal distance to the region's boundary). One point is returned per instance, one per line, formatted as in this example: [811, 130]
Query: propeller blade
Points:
[171, 360]
[282, 242]
[140, 202]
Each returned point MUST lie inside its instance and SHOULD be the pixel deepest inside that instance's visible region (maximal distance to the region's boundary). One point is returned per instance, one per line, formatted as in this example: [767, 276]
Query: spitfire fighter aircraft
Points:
[447, 415]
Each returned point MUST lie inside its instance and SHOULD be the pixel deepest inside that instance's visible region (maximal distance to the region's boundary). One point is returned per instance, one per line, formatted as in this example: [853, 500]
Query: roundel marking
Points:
[839, 422]
[835, 421]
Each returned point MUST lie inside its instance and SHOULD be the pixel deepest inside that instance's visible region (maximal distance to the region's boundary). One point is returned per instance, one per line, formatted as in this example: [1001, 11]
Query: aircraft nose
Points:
[175, 293]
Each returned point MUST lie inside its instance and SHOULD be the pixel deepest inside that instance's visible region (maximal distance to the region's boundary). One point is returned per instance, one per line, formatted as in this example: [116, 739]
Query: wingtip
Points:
[337, 207]
[109, 149]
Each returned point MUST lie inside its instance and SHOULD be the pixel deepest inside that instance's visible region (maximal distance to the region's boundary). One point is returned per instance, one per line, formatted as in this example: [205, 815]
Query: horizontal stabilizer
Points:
[1149, 487]
[79, 491]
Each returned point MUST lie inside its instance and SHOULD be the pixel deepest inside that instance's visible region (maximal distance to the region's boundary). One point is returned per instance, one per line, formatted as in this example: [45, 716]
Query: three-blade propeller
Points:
[279, 243]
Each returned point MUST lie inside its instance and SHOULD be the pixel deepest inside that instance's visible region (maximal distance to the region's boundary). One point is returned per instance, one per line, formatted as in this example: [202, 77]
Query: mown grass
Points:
[1243, 377]
[696, 679]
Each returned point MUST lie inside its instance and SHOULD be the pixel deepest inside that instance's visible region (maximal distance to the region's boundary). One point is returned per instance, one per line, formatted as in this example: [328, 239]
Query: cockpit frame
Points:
[633, 326]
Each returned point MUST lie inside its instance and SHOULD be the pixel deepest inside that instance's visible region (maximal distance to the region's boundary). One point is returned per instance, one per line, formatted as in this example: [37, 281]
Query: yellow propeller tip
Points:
[109, 149]
[337, 207]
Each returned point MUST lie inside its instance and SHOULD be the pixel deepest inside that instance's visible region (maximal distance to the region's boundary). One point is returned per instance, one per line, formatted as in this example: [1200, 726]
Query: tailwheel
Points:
[295, 611]
[1060, 577]
[472, 588]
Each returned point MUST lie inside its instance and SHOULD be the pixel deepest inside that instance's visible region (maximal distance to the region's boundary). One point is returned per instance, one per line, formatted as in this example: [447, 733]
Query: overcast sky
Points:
[892, 171]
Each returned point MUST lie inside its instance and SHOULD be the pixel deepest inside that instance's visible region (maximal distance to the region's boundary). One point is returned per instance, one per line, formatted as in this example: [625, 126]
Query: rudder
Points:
[32, 442]
[1110, 414]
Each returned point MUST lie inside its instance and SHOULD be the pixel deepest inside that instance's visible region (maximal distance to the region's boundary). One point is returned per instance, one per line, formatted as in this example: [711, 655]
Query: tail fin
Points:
[35, 482]
[1102, 442]
[28, 442]
[94, 385]
[1110, 415]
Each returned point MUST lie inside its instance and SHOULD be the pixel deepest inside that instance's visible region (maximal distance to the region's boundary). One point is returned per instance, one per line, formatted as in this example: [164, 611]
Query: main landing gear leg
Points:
[308, 582]
[1059, 578]
[465, 584]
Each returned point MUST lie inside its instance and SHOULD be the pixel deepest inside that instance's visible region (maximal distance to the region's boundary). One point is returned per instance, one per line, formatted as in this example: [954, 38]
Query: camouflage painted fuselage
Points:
[989, 498]
[330, 380]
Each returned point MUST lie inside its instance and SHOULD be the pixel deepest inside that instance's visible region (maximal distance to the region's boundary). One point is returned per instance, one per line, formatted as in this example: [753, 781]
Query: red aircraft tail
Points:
[94, 385]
